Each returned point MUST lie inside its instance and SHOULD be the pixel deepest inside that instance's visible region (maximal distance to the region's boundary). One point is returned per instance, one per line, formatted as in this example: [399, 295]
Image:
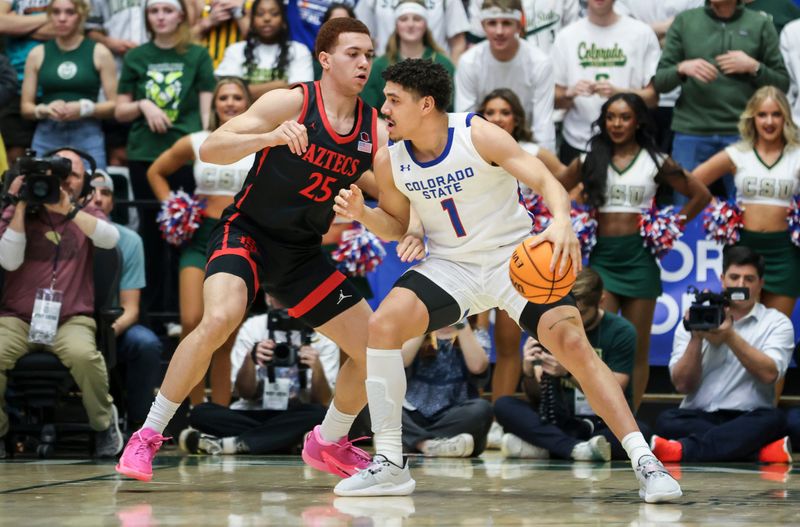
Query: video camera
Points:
[708, 309]
[42, 177]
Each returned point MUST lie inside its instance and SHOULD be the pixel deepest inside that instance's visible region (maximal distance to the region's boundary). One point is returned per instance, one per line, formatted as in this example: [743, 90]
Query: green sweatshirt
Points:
[714, 108]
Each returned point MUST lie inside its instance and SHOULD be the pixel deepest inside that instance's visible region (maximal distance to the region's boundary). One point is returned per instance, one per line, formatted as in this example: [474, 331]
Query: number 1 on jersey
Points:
[450, 206]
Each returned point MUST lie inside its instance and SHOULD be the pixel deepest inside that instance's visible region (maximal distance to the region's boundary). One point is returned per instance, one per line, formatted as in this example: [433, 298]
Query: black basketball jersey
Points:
[291, 196]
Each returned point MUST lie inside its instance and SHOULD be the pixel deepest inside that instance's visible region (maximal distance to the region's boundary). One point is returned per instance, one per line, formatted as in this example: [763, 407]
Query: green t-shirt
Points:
[171, 80]
[373, 90]
[614, 339]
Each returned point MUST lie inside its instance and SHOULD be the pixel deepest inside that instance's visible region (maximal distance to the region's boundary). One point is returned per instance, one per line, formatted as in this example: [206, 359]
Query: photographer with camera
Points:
[283, 373]
[46, 243]
[728, 375]
[558, 420]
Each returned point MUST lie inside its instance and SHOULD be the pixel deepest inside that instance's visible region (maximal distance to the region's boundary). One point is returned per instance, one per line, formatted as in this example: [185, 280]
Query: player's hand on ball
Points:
[349, 203]
[565, 244]
[410, 248]
[291, 134]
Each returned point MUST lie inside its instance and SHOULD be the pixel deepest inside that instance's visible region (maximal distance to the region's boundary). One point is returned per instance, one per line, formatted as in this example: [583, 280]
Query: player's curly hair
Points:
[424, 78]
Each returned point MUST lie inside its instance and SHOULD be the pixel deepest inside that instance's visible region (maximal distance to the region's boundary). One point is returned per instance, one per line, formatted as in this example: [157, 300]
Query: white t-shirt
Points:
[529, 74]
[446, 19]
[790, 44]
[543, 19]
[626, 53]
[299, 68]
[253, 331]
[124, 20]
[725, 383]
[757, 183]
[467, 206]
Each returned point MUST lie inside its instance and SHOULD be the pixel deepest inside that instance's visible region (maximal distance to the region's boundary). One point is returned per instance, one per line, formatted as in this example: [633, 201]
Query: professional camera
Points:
[289, 334]
[708, 309]
[42, 178]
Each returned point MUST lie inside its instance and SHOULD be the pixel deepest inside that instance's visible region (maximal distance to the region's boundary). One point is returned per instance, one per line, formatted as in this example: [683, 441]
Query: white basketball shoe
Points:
[380, 478]
[656, 484]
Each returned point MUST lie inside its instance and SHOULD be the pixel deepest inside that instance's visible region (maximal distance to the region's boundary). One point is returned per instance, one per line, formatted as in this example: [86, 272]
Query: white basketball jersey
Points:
[633, 188]
[757, 183]
[466, 205]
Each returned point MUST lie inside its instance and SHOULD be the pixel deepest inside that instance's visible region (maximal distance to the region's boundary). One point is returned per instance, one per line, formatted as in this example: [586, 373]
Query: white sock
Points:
[636, 447]
[386, 389]
[336, 424]
[160, 414]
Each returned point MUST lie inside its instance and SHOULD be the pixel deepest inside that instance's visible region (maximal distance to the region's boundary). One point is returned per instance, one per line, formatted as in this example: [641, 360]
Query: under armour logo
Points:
[403, 168]
[342, 296]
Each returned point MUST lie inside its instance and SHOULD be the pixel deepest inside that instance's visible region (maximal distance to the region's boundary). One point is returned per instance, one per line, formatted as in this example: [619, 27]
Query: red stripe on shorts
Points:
[316, 296]
[244, 253]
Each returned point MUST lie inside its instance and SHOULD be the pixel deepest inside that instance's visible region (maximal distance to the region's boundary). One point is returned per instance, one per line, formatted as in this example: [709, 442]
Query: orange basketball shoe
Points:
[137, 458]
[340, 458]
[779, 451]
[666, 450]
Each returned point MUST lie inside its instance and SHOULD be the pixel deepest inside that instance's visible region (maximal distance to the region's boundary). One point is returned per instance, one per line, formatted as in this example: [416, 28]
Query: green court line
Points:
[71, 481]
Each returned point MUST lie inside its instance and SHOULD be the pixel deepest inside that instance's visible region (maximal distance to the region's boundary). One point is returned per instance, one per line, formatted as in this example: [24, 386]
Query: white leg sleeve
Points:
[386, 389]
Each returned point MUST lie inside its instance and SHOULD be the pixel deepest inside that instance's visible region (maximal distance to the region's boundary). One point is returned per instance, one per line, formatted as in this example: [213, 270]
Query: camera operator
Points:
[275, 407]
[46, 251]
[728, 375]
[558, 421]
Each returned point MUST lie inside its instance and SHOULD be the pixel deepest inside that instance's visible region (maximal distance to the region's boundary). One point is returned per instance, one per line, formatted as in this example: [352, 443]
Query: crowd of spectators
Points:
[708, 89]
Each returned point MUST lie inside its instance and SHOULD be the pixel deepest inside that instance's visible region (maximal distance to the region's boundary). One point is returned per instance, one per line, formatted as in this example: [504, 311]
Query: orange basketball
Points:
[529, 270]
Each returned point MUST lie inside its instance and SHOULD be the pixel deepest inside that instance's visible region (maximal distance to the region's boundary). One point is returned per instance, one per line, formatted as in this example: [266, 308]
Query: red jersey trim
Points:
[304, 109]
[317, 295]
[375, 144]
[338, 139]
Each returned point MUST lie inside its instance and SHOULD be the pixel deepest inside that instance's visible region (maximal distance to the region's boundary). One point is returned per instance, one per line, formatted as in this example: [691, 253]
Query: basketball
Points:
[529, 270]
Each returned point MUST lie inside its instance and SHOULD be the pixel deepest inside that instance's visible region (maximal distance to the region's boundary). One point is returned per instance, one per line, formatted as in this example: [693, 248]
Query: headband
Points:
[497, 12]
[174, 3]
[410, 8]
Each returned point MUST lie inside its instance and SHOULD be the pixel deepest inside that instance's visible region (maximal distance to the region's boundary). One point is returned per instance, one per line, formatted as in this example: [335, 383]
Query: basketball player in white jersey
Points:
[461, 175]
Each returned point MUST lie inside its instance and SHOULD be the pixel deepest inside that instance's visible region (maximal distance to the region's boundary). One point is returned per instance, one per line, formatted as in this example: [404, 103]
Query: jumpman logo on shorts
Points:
[342, 296]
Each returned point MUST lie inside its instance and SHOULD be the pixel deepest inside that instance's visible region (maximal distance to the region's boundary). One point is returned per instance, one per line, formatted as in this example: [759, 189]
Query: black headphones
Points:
[87, 178]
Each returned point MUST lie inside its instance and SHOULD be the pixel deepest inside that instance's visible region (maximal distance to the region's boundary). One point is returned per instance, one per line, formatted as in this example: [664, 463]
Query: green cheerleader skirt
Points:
[626, 266]
[781, 259]
[194, 253]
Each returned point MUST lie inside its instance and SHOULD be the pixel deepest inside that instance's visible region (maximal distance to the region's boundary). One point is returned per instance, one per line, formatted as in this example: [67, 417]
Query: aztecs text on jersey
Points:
[291, 196]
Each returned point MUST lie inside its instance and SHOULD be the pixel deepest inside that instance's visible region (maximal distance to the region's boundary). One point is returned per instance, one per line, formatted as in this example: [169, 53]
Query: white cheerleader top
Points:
[761, 184]
[218, 180]
[632, 188]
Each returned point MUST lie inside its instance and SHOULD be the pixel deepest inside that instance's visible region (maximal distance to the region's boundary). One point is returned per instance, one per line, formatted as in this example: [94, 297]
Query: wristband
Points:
[73, 212]
[87, 108]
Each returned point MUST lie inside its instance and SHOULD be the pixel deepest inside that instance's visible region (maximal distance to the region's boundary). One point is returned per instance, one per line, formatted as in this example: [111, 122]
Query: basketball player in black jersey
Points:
[314, 139]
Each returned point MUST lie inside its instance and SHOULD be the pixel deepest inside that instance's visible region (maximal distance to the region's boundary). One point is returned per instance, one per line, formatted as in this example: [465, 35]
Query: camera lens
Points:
[281, 351]
[39, 189]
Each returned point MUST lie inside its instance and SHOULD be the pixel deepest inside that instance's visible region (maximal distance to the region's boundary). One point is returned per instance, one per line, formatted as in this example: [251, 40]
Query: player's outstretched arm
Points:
[496, 146]
[270, 121]
[389, 220]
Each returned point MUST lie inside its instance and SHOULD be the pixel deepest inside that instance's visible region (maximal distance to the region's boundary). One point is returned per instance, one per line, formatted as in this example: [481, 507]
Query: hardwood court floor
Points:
[249, 491]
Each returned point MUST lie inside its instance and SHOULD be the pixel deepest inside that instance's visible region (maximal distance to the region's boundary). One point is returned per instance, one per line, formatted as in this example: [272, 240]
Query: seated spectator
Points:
[217, 185]
[557, 420]
[24, 25]
[50, 248]
[447, 20]
[717, 76]
[62, 80]
[504, 60]
[268, 59]
[543, 20]
[728, 375]
[411, 39]
[138, 348]
[597, 57]
[220, 23]
[443, 415]
[790, 43]
[276, 407]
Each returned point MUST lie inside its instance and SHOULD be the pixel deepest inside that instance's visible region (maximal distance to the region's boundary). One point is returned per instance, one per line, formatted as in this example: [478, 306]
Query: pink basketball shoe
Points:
[340, 458]
[137, 458]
